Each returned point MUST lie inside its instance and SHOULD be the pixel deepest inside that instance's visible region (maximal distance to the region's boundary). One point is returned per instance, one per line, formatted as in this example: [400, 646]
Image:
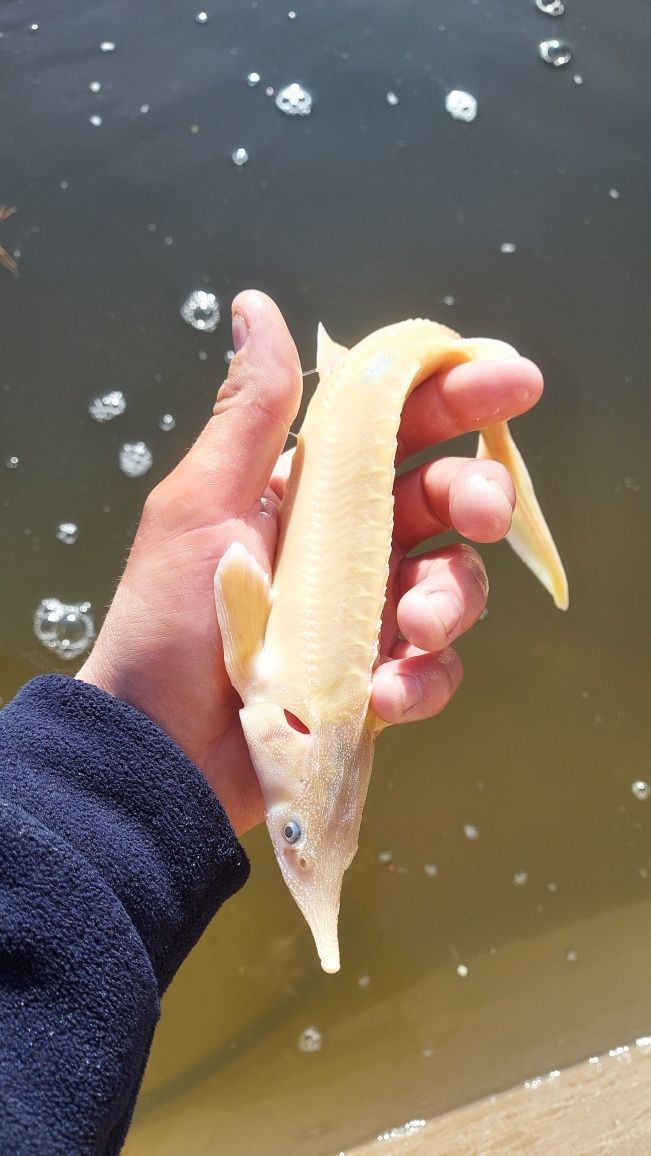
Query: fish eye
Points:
[292, 831]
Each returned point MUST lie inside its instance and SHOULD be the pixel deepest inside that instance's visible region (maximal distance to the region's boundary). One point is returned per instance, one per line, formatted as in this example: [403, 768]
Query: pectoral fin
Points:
[529, 535]
[328, 353]
[243, 601]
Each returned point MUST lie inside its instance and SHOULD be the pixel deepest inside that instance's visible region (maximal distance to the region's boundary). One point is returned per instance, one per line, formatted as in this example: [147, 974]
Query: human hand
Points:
[159, 647]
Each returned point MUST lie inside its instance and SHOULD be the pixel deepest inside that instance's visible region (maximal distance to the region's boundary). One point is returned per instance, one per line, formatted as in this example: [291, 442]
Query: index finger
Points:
[465, 398]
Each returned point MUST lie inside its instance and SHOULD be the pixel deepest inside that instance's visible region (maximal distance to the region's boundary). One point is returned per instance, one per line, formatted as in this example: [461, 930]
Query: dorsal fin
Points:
[328, 353]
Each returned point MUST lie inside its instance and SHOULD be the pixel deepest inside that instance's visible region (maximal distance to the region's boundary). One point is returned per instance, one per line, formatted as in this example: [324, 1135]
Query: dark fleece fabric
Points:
[114, 855]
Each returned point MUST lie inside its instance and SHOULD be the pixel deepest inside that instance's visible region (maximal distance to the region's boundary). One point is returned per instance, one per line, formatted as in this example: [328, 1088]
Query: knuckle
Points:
[155, 504]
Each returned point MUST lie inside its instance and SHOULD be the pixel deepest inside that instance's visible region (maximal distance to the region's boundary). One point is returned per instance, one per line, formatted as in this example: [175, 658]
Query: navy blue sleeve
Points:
[114, 856]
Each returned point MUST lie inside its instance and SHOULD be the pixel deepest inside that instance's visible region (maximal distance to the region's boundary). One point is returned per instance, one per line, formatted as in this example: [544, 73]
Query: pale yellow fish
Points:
[301, 650]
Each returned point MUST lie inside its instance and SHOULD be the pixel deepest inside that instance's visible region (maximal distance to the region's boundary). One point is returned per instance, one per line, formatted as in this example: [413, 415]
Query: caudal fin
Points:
[529, 535]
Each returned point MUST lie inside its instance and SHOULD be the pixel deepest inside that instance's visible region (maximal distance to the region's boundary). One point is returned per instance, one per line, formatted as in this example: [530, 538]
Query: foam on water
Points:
[67, 532]
[551, 7]
[461, 105]
[310, 1040]
[108, 406]
[201, 310]
[555, 52]
[135, 458]
[402, 1131]
[67, 629]
[239, 157]
[294, 100]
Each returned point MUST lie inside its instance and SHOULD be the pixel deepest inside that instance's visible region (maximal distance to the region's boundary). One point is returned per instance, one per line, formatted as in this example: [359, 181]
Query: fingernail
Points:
[447, 608]
[240, 332]
[412, 691]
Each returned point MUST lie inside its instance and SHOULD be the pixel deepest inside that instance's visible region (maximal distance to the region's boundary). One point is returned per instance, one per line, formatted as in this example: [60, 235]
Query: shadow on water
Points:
[365, 212]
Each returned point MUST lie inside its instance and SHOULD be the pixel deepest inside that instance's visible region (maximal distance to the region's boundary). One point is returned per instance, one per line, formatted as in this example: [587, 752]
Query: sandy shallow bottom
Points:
[598, 1107]
[500, 1033]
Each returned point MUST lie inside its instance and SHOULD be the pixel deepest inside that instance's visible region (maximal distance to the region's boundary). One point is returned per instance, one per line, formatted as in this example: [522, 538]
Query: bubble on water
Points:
[201, 17]
[291, 14]
[66, 628]
[555, 52]
[392, 98]
[470, 831]
[571, 955]
[384, 856]
[577, 78]
[294, 100]
[310, 1040]
[95, 86]
[462, 970]
[535, 1082]
[67, 532]
[95, 120]
[507, 247]
[410, 1128]
[461, 105]
[239, 157]
[641, 790]
[252, 79]
[33, 27]
[630, 484]
[363, 981]
[201, 310]
[431, 870]
[144, 108]
[13, 462]
[135, 458]
[552, 888]
[520, 878]
[269, 90]
[551, 7]
[166, 422]
[108, 406]
[614, 193]
[107, 46]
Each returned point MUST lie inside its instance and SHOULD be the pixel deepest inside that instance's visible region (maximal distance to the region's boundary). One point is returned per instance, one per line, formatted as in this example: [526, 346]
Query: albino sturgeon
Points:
[300, 650]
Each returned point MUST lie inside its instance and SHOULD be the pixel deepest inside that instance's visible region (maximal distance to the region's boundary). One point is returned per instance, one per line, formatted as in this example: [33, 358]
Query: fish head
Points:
[313, 779]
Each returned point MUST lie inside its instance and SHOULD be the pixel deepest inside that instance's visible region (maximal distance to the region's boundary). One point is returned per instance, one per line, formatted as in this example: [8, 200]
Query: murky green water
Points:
[364, 212]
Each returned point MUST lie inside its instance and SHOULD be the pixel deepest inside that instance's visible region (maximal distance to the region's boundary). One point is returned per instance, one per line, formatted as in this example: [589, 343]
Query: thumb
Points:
[229, 466]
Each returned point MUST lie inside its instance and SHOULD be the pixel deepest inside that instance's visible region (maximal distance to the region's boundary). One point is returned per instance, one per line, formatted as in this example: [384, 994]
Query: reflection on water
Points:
[468, 963]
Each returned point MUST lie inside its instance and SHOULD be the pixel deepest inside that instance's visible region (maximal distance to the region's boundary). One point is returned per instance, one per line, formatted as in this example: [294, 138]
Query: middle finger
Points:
[476, 498]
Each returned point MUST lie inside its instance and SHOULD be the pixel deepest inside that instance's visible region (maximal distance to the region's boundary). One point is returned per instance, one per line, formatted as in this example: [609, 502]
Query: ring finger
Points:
[444, 595]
